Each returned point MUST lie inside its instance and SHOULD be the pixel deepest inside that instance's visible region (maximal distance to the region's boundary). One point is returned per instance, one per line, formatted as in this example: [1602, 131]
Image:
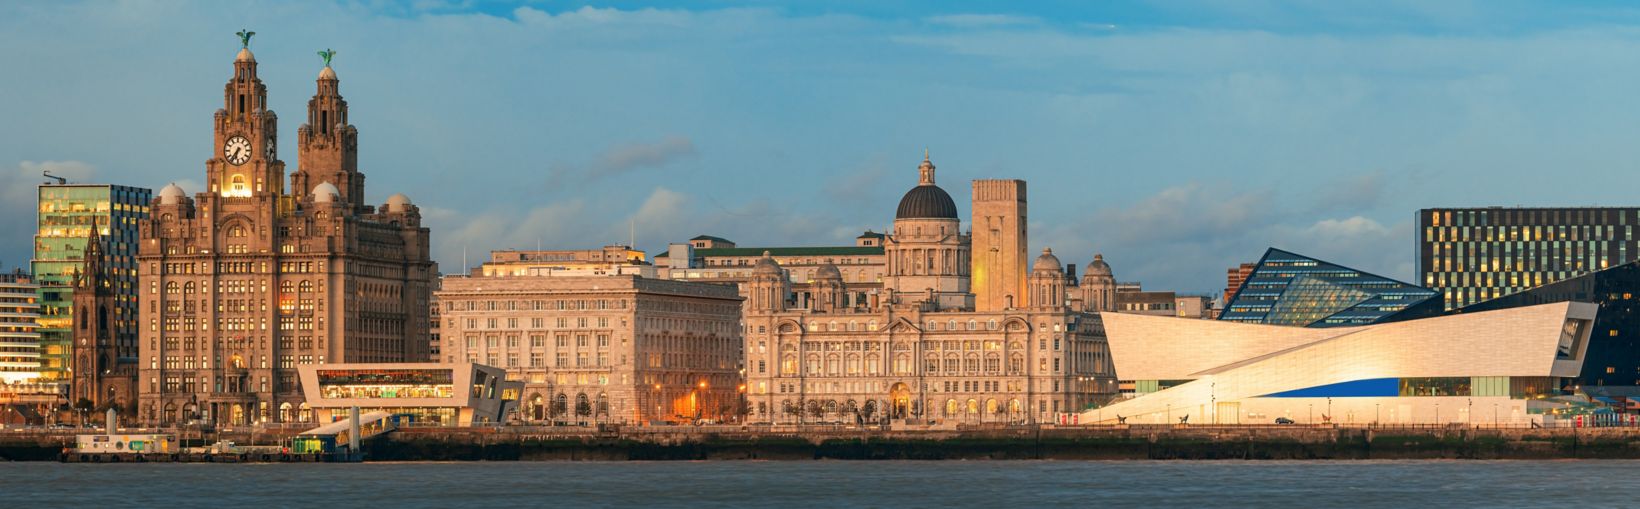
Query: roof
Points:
[788, 251]
[926, 201]
[1287, 288]
[711, 238]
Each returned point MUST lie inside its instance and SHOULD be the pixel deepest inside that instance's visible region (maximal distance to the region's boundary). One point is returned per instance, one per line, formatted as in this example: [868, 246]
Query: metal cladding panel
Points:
[1517, 342]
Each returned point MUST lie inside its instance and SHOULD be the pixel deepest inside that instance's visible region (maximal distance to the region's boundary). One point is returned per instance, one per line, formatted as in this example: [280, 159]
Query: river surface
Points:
[1000, 484]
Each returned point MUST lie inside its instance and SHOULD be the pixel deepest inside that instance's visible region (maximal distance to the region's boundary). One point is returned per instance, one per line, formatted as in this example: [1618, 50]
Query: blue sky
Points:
[1176, 138]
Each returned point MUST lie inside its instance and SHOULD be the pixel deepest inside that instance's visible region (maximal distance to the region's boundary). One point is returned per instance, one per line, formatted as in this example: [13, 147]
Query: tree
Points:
[558, 408]
[795, 411]
[815, 409]
[83, 407]
[583, 408]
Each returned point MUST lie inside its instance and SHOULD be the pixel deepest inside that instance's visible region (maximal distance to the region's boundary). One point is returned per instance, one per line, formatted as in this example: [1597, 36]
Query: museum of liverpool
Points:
[1501, 367]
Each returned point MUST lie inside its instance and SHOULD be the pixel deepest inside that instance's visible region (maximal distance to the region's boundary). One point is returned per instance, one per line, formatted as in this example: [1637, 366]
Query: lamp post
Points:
[1376, 415]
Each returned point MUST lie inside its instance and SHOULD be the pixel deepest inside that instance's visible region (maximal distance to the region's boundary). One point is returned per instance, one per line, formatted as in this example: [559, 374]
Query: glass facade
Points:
[1613, 355]
[386, 383]
[1476, 254]
[66, 215]
[1290, 289]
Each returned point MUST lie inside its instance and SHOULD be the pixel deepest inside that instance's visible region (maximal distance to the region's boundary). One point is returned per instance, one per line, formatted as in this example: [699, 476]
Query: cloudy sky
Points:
[1176, 138]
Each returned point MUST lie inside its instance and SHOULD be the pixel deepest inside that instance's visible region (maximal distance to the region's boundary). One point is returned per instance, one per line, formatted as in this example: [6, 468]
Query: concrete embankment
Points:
[1103, 443]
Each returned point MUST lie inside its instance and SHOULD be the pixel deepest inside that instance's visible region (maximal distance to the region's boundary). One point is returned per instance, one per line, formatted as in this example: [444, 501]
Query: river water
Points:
[1002, 484]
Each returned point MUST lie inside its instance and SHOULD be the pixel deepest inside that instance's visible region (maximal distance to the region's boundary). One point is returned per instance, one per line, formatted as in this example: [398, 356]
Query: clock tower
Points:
[327, 145]
[245, 161]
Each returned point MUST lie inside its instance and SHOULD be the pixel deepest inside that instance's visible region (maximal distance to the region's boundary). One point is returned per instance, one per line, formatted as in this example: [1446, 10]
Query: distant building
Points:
[1290, 289]
[1235, 277]
[862, 265]
[67, 215]
[1476, 254]
[1131, 297]
[610, 259]
[19, 330]
[1614, 347]
[1193, 306]
[612, 348]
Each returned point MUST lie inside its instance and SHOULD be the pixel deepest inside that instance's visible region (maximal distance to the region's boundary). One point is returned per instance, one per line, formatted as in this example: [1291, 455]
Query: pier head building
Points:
[247, 279]
[966, 326]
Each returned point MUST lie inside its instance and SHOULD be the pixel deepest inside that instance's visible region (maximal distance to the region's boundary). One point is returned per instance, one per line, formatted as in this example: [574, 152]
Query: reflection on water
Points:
[1355, 484]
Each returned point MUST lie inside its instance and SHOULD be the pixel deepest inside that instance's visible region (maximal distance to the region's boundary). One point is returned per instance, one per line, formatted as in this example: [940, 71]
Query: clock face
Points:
[237, 150]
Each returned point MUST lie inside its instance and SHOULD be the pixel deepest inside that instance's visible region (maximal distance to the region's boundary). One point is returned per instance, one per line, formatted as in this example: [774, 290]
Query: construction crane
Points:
[60, 180]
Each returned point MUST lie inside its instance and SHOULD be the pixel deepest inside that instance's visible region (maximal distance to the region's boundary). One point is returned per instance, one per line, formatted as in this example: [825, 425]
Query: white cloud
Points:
[982, 20]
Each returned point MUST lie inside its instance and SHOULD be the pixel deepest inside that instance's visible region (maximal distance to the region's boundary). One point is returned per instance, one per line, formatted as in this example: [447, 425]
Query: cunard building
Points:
[248, 279]
[966, 327]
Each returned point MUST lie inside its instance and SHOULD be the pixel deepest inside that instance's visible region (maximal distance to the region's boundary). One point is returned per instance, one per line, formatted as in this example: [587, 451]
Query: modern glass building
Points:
[1290, 289]
[1614, 347]
[19, 341]
[1472, 255]
[67, 214]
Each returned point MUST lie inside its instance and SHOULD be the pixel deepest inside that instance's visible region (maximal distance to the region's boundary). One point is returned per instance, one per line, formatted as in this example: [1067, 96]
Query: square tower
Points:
[999, 244]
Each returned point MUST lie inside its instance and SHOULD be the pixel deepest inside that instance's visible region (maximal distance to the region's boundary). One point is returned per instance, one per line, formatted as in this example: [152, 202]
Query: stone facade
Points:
[612, 348]
[241, 283]
[922, 351]
[102, 378]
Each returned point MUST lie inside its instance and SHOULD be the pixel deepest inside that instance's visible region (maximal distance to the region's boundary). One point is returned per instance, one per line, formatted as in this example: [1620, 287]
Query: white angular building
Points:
[1483, 368]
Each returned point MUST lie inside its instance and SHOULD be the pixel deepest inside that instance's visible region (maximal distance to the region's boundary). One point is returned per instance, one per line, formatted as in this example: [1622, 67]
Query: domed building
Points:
[248, 279]
[964, 327]
[927, 253]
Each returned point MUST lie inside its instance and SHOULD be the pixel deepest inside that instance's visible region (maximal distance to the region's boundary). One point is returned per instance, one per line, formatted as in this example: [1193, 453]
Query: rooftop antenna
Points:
[60, 180]
[632, 233]
[464, 267]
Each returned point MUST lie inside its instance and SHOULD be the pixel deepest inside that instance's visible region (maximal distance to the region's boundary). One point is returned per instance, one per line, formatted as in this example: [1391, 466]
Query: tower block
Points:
[999, 245]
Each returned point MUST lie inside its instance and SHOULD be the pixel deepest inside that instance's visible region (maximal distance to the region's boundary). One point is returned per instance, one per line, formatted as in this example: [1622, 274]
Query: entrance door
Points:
[899, 401]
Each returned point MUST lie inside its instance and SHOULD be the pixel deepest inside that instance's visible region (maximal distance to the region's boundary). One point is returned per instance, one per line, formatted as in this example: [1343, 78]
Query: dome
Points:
[926, 202]
[172, 194]
[327, 73]
[1047, 262]
[1098, 267]
[828, 272]
[244, 56]
[397, 202]
[766, 266]
[326, 192]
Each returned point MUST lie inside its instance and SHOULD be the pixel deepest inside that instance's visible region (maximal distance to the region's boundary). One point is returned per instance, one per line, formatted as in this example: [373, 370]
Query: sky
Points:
[1177, 138]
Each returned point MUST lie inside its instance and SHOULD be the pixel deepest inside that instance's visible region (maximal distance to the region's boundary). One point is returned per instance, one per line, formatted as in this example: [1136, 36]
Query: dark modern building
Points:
[1613, 357]
[1285, 288]
[1472, 255]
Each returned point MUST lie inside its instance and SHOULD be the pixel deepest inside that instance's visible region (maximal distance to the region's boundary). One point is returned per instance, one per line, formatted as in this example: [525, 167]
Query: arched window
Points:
[237, 187]
[171, 287]
[306, 287]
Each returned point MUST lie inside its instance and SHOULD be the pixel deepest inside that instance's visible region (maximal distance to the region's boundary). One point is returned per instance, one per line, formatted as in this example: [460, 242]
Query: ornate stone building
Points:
[926, 350]
[244, 281]
[101, 376]
[609, 348]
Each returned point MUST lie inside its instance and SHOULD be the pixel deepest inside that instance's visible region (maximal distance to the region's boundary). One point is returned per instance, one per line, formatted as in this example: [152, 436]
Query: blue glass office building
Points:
[1291, 289]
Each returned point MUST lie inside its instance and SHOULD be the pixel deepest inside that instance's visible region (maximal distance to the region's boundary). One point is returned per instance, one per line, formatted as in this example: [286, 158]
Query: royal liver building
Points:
[963, 329]
[245, 280]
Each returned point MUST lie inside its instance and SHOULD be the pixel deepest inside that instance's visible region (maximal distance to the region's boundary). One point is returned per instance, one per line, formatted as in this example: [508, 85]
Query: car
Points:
[1283, 420]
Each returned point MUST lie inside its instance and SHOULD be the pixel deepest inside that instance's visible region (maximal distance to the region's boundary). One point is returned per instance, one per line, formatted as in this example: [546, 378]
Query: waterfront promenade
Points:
[510, 443]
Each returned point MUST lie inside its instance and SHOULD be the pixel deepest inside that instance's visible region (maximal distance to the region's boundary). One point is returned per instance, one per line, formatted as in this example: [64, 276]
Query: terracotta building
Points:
[607, 348]
[246, 280]
[923, 351]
